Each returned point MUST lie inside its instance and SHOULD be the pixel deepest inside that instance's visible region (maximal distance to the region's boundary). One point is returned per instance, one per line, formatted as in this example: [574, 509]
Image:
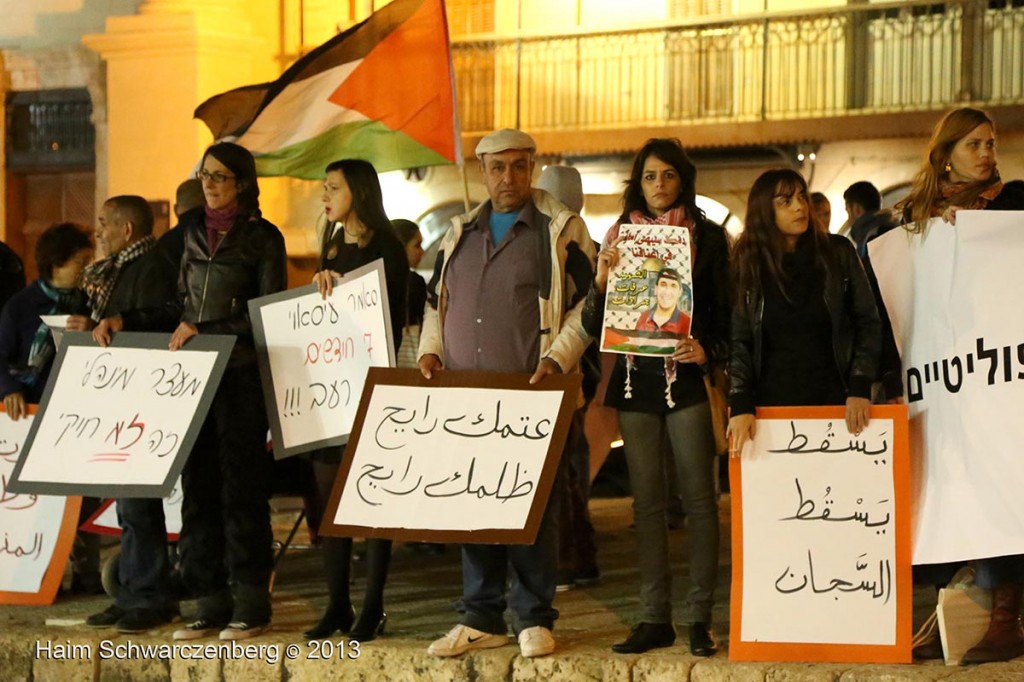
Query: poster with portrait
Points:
[649, 300]
[462, 457]
[821, 539]
[36, 531]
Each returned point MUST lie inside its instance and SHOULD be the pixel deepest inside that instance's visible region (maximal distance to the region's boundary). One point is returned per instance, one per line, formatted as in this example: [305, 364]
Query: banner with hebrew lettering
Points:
[314, 353]
[37, 530]
[649, 301]
[120, 421]
[953, 297]
[821, 539]
[462, 457]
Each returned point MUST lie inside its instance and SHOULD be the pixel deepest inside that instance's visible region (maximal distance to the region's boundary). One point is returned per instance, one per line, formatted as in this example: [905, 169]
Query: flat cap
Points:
[503, 140]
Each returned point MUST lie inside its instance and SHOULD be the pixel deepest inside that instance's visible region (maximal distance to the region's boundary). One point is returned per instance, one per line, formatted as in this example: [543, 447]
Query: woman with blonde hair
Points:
[960, 172]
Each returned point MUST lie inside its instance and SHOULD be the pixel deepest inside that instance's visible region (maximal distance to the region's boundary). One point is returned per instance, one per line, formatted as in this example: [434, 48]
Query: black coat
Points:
[856, 329]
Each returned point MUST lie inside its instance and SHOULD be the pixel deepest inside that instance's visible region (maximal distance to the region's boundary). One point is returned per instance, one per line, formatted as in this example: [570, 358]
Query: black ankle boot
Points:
[646, 636]
[701, 642]
[369, 627]
[335, 619]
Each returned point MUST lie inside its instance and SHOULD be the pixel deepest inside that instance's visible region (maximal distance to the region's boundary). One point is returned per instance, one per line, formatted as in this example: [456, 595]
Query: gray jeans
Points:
[693, 447]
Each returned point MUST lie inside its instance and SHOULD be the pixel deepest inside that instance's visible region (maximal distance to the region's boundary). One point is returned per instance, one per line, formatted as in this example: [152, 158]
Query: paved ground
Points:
[420, 595]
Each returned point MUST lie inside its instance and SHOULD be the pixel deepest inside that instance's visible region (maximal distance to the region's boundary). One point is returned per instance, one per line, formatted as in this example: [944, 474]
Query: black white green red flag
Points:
[382, 91]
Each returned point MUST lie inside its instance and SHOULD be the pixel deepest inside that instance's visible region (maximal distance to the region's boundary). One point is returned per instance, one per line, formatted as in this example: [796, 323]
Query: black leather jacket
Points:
[214, 291]
[856, 329]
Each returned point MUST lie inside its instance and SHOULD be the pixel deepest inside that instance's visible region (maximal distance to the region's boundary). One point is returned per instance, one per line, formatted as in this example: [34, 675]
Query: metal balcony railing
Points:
[871, 58]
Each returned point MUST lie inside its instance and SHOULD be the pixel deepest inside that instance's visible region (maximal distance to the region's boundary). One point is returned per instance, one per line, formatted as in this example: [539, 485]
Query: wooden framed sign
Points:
[821, 539]
[463, 457]
[36, 530]
[314, 353]
[120, 421]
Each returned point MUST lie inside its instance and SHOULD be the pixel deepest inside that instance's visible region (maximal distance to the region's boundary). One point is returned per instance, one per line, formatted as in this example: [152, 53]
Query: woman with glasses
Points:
[231, 255]
[356, 232]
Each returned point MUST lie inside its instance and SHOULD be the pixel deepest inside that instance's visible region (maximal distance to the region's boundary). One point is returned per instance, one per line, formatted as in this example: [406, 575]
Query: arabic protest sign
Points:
[951, 294]
[104, 520]
[36, 530]
[821, 539]
[314, 353]
[463, 457]
[120, 421]
[649, 302]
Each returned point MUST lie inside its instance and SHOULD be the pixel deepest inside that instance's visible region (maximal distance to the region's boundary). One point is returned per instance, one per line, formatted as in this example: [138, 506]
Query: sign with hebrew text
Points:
[36, 530]
[821, 539]
[120, 421]
[649, 300]
[952, 293]
[462, 457]
[314, 353]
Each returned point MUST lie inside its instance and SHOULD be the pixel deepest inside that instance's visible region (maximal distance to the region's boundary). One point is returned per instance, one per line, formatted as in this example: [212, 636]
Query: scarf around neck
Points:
[98, 279]
[966, 195]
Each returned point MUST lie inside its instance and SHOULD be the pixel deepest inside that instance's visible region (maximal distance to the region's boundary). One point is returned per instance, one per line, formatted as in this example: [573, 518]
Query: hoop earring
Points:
[948, 167]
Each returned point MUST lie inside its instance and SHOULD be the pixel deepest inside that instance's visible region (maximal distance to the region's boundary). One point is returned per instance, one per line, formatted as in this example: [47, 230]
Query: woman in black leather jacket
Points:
[357, 232]
[805, 329]
[231, 255]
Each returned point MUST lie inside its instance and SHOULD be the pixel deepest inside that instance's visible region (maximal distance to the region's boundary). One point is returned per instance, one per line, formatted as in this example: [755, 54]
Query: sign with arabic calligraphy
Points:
[462, 457]
[314, 353]
[952, 294]
[36, 530]
[649, 303]
[821, 539]
[120, 421]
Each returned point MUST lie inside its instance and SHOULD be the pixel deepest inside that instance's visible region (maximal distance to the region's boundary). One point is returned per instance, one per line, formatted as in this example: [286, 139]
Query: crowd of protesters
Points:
[789, 311]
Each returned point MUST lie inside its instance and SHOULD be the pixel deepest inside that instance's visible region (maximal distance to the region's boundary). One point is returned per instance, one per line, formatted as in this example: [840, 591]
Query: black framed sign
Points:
[314, 352]
[120, 421]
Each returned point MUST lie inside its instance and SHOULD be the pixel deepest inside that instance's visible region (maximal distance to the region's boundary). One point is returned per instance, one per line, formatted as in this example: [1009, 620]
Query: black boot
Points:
[1004, 639]
[701, 641]
[646, 636]
[339, 614]
[372, 618]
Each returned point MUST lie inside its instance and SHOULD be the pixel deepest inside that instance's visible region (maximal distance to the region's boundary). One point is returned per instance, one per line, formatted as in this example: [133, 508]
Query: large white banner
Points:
[953, 296]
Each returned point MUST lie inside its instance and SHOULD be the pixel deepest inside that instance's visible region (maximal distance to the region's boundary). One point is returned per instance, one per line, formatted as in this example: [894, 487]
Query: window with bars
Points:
[470, 16]
[50, 129]
[681, 9]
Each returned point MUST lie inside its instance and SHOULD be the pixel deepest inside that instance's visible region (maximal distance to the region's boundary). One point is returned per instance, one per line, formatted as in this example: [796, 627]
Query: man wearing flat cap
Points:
[506, 296]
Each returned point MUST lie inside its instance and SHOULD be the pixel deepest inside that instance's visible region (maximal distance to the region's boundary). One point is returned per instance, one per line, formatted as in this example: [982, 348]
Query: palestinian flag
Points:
[382, 91]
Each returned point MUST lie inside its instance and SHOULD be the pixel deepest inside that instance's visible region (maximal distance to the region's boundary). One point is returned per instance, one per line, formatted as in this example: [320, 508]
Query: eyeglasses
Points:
[216, 176]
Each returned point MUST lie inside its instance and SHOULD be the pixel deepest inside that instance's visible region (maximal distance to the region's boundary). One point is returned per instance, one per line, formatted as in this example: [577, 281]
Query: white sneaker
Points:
[536, 641]
[463, 638]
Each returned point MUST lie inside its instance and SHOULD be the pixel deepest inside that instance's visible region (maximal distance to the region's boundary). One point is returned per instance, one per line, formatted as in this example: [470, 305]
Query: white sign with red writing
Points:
[29, 524]
[120, 421]
[314, 353]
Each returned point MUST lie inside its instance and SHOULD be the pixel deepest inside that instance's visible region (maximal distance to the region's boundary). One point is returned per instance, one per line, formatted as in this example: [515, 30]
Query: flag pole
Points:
[465, 186]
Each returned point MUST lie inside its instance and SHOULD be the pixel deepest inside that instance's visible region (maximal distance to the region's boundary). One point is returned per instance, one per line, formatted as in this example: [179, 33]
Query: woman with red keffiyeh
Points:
[959, 172]
[666, 396]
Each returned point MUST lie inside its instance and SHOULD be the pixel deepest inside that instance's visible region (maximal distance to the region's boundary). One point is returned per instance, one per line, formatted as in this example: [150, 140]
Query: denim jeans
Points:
[693, 447]
[534, 568]
[144, 568]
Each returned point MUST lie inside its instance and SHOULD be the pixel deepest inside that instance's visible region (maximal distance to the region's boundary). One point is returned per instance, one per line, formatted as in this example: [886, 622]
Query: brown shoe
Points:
[1005, 637]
